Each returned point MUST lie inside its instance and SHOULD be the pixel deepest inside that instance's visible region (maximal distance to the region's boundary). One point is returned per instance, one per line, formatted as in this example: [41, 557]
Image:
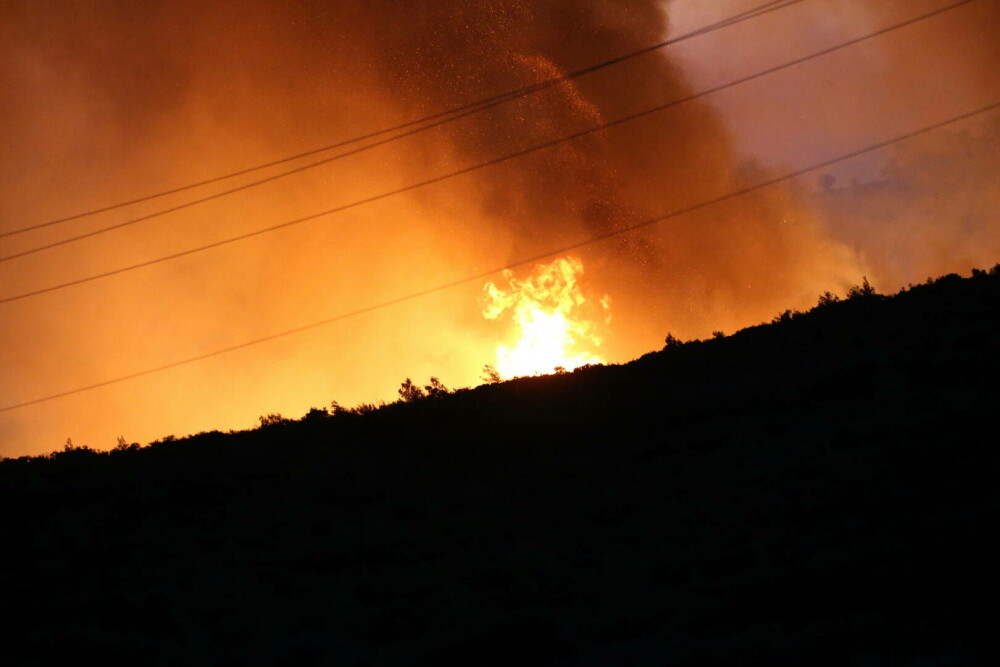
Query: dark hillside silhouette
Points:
[820, 490]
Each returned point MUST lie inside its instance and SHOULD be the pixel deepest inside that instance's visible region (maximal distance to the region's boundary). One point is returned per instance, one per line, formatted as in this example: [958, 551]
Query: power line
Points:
[432, 121]
[481, 165]
[528, 260]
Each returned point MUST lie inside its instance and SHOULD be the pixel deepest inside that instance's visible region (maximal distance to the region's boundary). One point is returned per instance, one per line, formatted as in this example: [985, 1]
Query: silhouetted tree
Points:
[123, 445]
[365, 408]
[273, 419]
[785, 316]
[862, 291]
[435, 389]
[490, 374]
[671, 341]
[72, 451]
[315, 414]
[409, 392]
[826, 298]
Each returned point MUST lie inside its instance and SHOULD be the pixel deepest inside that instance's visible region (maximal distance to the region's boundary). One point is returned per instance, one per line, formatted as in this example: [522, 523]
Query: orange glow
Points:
[548, 310]
[104, 103]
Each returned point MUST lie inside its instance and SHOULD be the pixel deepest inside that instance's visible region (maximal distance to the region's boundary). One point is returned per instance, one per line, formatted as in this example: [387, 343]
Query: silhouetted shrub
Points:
[862, 291]
[273, 419]
[435, 389]
[316, 414]
[72, 452]
[365, 408]
[124, 446]
[409, 392]
[490, 375]
[718, 334]
[671, 341]
[826, 298]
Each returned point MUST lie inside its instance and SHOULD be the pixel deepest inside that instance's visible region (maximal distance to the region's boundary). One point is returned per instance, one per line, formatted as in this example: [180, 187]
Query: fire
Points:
[549, 312]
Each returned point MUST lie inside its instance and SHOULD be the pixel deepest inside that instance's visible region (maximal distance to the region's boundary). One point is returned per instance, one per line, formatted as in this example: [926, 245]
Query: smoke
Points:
[728, 265]
[931, 208]
[927, 206]
[108, 101]
[917, 209]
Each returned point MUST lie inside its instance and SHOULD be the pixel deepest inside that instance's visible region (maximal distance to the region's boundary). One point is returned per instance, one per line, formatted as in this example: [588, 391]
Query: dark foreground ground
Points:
[819, 491]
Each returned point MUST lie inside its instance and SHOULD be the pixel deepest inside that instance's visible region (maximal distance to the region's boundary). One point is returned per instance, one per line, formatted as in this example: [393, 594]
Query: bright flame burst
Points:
[548, 311]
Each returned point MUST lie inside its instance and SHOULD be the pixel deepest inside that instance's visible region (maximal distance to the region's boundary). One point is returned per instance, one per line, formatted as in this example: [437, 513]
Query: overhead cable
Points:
[411, 128]
[481, 165]
[527, 260]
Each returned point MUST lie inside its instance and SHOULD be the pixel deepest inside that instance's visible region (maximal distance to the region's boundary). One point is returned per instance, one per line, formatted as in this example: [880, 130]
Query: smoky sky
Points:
[105, 101]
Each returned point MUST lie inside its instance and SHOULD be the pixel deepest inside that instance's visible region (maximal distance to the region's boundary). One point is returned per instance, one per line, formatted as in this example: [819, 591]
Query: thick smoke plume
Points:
[105, 101]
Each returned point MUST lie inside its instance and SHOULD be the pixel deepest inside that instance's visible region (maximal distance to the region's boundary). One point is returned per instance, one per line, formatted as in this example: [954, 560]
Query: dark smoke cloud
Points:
[744, 258]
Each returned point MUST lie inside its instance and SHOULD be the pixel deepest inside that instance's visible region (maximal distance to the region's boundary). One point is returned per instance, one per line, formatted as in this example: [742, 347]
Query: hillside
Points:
[814, 491]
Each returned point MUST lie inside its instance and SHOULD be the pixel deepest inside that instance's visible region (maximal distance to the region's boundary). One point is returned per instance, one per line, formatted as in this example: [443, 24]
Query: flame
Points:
[548, 310]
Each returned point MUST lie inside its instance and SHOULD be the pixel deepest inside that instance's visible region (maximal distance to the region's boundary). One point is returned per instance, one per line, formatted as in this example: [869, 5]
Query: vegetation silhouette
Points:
[491, 375]
[820, 490]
